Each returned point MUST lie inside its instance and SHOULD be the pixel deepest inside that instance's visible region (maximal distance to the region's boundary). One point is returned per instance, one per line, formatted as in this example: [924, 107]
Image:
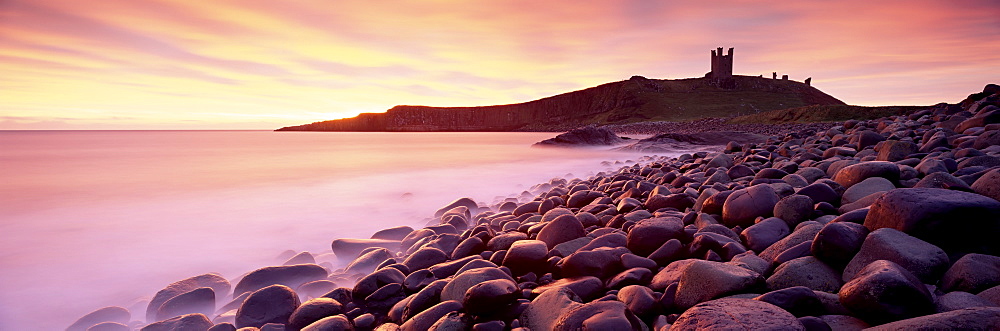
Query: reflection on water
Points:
[96, 218]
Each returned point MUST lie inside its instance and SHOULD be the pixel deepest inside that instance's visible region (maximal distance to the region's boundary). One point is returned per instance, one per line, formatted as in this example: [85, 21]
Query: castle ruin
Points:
[722, 69]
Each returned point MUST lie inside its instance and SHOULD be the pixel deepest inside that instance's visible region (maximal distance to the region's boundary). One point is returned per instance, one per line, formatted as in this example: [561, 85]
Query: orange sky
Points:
[262, 64]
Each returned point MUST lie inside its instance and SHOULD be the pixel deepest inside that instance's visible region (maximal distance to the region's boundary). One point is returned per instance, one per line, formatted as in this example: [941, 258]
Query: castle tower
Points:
[722, 65]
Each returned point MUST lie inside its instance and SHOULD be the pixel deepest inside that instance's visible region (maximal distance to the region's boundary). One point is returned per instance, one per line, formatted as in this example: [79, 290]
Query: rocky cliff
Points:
[635, 100]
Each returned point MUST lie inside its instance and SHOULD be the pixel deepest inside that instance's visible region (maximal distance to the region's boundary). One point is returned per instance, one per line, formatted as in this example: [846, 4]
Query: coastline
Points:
[791, 232]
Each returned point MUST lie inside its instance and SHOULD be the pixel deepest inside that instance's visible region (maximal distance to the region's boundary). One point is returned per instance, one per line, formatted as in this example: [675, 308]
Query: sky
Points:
[264, 64]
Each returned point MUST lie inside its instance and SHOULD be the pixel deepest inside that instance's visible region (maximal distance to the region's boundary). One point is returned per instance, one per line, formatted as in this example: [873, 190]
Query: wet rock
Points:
[115, 326]
[569, 247]
[598, 315]
[585, 136]
[884, 292]
[393, 233]
[743, 206]
[331, 323]
[503, 241]
[648, 235]
[587, 288]
[183, 322]
[366, 263]
[804, 232]
[219, 284]
[855, 173]
[313, 310]
[106, 314]
[197, 301]
[373, 281]
[794, 209]
[525, 256]
[424, 258]
[455, 321]
[634, 276]
[798, 300]
[457, 287]
[600, 263]
[291, 276]
[742, 314]
[866, 188]
[972, 273]
[469, 246]
[639, 300]
[272, 304]
[425, 319]
[701, 281]
[960, 300]
[490, 295]
[562, 229]
[837, 242]
[350, 248]
[982, 318]
[765, 233]
[924, 260]
[943, 180]
[805, 271]
[670, 274]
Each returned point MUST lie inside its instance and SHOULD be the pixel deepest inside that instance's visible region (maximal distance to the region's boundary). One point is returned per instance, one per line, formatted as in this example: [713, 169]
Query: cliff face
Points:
[634, 100]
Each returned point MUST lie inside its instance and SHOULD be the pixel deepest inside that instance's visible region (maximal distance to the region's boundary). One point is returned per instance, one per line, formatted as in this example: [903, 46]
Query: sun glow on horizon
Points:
[258, 64]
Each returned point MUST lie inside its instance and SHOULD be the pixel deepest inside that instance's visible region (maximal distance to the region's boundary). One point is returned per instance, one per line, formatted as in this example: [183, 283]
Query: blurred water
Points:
[96, 218]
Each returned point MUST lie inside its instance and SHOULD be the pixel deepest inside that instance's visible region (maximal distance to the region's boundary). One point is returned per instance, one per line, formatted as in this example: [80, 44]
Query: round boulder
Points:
[885, 292]
[745, 205]
[272, 304]
[736, 314]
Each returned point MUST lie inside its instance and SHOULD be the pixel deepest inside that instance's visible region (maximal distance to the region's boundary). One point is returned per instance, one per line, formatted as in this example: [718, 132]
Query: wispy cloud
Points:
[171, 62]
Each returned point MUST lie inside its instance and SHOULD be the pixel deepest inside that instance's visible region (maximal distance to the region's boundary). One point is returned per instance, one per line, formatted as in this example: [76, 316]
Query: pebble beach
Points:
[884, 224]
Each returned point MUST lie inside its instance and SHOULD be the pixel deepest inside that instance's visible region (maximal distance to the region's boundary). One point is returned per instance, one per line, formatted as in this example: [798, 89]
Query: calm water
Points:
[96, 218]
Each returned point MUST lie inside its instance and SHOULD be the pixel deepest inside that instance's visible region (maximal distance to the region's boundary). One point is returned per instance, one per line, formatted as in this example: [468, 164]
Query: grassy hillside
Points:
[823, 113]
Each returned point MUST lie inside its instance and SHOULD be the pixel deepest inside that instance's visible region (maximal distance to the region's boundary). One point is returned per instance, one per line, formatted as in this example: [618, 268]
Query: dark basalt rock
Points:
[425, 257]
[601, 263]
[958, 222]
[733, 314]
[457, 287]
[585, 136]
[805, 272]
[885, 292]
[765, 233]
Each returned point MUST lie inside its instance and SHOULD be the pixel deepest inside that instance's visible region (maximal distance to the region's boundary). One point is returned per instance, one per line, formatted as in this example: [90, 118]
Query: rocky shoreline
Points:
[889, 224]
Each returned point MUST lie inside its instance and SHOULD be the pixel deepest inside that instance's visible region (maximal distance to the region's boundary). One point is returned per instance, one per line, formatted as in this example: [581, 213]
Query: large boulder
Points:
[745, 205]
[457, 287]
[218, 284]
[972, 273]
[837, 242]
[885, 292]
[762, 235]
[988, 184]
[348, 249]
[183, 322]
[272, 304]
[197, 301]
[288, 275]
[805, 271]
[701, 281]
[958, 222]
[562, 229]
[543, 312]
[926, 261]
[590, 135]
[598, 315]
[855, 173]
[736, 314]
[314, 310]
[648, 235]
[980, 318]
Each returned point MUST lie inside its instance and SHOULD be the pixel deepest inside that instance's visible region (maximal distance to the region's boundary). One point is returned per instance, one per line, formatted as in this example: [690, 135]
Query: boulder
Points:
[981, 318]
[331, 323]
[988, 184]
[393, 233]
[648, 235]
[895, 150]
[598, 315]
[314, 310]
[736, 314]
[424, 258]
[525, 256]
[562, 229]
[884, 292]
[804, 232]
[960, 300]
[762, 235]
[350, 248]
[425, 319]
[855, 173]
[798, 300]
[805, 271]
[366, 263]
[926, 261]
[489, 295]
[866, 188]
[794, 208]
[218, 284]
[107, 314]
[744, 205]
[457, 287]
[639, 299]
[701, 281]
[590, 135]
[972, 273]
[958, 222]
[837, 242]
[183, 322]
[197, 301]
[543, 312]
[601, 263]
[272, 304]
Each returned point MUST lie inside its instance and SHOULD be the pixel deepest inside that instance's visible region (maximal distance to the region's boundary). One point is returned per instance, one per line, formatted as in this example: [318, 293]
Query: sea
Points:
[90, 219]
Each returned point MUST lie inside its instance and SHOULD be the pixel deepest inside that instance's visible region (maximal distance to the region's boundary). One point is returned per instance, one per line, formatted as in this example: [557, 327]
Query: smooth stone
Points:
[418, 302]
[957, 222]
[762, 235]
[844, 322]
[566, 248]
[543, 312]
[373, 281]
[601, 263]
[107, 314]
[750, 261]
[885, 292]
[468, 203]
[490, 295]
[794, 209]
[115, 326]
[197, 301]
[813, 323]
[314, 310]
[866, 188]
[943, 180]
[393, 233]
[587, 288]
[183, 322]
[677, 201]
[562, 229]
[736, 314]
[648, 235]
[219, 284]
[972, 273]
[670, 274]
[701, 281]
[457, 287]
[855, 173]
[503, 241]
[367, 262]
[960, 300]
[424, 258]
[469, 246]
[895, 150]
[838, 242]
[598, 315]
[988, 184]
[926, 261]
[744, 205]
[331, 323]
[455, 321]
[982, 318]
[634, 276]
[288, 275]
[525, 256]
[425, 319]
[805, 271]
[272, 304]
[638, 299]
[630, 261]
[350, 248]
[798, 300]
[417, 280]
[804, 232]
[446, 269]
[820, 192]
